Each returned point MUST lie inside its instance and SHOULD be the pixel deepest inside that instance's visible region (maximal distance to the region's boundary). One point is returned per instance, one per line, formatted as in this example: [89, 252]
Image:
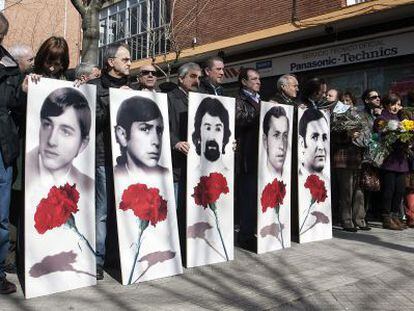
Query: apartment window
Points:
[352, 2]
[140, 23]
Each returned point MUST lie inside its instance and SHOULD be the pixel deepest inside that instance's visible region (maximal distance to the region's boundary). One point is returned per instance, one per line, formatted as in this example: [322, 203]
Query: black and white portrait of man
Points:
[313, 142]
[65, 123]
[275, 139]
[211, 134]
[60, 144]
[139, 131]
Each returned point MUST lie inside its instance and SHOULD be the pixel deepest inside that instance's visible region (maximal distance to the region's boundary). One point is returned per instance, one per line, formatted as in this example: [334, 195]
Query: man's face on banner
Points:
[211, 137]
[145, 142]
[276, 142]
[60, 140]
[317, 145]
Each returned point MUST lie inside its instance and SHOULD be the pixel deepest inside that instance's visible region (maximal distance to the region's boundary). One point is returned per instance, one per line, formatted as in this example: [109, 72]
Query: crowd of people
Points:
[351, 197]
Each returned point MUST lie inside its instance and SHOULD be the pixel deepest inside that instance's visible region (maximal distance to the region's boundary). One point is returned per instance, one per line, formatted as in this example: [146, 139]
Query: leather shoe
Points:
[353, 229]
[6, 287]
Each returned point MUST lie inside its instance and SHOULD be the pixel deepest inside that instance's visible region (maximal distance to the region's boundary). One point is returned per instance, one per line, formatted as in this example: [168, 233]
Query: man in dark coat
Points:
[287, 90]
[213, 77]
[247, 132]
[115, 74]
[10, 104]
[188, 80]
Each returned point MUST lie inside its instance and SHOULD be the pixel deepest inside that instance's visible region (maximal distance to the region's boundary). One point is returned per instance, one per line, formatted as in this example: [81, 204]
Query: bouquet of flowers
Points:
[349, 121]
[392, 132]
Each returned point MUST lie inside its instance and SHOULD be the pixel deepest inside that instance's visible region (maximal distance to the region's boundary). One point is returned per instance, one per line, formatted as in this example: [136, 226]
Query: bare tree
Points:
[89, 12]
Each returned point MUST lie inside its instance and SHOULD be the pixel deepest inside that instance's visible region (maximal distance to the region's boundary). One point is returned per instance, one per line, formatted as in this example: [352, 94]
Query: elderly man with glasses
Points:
[147, 78]
[115, 74]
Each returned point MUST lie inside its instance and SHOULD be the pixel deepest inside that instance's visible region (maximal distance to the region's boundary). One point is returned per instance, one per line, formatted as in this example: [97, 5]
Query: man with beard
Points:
[313, 141]
[211, 135]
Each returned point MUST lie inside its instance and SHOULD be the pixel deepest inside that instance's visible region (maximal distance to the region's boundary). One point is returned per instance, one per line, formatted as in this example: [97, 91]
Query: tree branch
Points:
[79, 6]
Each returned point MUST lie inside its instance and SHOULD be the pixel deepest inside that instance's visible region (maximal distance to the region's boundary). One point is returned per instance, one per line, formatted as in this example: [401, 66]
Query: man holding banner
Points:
[9, 146]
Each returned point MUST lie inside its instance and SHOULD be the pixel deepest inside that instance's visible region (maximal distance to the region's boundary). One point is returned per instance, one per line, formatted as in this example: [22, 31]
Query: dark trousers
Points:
[247, 204]
[350, 198]
[392, 192]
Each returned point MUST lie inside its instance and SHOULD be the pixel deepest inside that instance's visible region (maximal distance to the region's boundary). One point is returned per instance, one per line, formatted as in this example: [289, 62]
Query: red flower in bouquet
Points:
[146, 203]
[57, 208]
[317, 188]
[273, 195]
[207, 192]
[209, 189]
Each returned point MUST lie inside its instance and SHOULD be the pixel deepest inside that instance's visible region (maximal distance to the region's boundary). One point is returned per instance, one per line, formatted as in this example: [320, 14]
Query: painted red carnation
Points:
[209, 189]
[273, 195]
[55, 210]
[146, 203]
[317, 188]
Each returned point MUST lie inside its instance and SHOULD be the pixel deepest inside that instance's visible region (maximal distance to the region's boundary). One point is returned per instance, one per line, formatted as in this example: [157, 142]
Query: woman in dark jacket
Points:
[394, 167]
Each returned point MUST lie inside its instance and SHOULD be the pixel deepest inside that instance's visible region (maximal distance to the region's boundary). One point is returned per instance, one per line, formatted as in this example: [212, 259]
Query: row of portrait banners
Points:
[59, 228]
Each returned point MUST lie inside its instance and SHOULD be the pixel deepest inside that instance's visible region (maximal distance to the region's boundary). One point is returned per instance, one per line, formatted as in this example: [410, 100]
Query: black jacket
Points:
[12, 105]
[247, 132]
[103, 124]
[207, 88]
[178, 116]
[282, 99]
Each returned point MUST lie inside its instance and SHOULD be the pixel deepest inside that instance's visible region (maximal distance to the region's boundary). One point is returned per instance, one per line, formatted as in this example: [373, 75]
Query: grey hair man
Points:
[23, 54]
[287, 90]
[213, 77]
[87, 71]
[115, 74]
[147, 78]
[188, 80]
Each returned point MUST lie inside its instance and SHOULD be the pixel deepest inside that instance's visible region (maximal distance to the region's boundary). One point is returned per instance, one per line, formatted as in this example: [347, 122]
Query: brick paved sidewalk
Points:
[354, 271]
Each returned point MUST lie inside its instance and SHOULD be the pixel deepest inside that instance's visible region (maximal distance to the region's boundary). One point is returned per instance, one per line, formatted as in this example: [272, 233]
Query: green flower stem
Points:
[82, 237]
[214, 209]
[71, 224]
[280, 226]
[301, 227]
[143, 226]
[313, 225]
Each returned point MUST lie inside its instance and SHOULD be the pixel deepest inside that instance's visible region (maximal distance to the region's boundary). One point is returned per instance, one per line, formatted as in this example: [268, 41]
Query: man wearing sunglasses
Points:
[147, 78]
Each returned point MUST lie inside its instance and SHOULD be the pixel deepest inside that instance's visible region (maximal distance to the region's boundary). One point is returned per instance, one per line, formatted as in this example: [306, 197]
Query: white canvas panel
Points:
[314, 179]
[274, 177]
[145, 204]
[210, 169]
[59, 187]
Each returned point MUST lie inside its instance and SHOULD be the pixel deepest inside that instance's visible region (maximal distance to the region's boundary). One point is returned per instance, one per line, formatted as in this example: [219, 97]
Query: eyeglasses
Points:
[147, 72]
[374, 97]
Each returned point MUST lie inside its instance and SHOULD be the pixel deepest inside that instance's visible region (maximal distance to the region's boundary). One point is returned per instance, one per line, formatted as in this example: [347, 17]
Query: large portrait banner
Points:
[314, 179]
[144, 195]
[59, 187]
[274, 177]
[210, 169]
